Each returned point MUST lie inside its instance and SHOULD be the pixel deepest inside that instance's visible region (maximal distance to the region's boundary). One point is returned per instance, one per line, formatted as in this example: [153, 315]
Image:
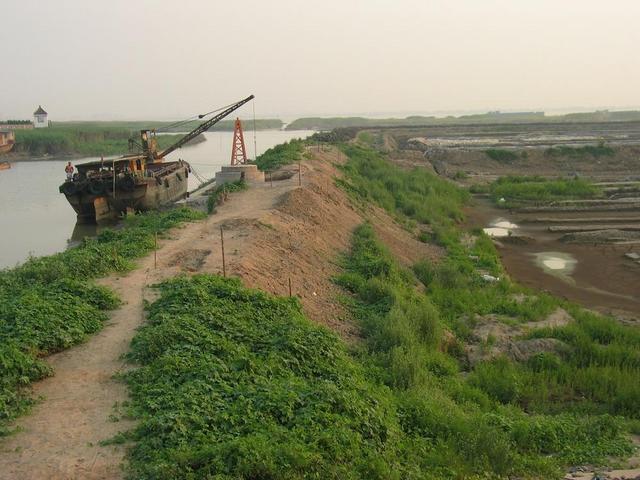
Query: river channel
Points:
[36, 220]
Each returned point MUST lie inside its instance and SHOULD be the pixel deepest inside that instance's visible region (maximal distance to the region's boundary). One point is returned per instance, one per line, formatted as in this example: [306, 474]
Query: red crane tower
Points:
[238, 151]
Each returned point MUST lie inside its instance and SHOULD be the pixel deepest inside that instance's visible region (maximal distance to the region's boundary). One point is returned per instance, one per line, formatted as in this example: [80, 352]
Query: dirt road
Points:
[271, 235]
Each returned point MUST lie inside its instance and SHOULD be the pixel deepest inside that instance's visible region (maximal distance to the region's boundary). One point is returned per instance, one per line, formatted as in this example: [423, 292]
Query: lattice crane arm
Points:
[203, 127]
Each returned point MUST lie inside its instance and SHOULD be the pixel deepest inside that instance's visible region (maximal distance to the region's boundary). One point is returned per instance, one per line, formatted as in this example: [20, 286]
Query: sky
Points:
[170, 59]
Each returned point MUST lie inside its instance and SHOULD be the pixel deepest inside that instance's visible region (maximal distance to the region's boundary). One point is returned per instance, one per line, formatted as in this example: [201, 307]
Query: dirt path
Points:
[60, 438]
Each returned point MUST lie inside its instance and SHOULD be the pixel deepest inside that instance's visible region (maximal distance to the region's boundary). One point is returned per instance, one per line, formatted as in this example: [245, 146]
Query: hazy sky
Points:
[165, 59]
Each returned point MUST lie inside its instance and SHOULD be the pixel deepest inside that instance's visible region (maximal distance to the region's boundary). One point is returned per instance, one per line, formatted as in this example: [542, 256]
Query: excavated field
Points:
[600, 239]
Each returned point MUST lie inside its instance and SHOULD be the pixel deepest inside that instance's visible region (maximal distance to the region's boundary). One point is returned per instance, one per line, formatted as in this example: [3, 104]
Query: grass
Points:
[459, 425]
[217, 195]
[591, 385]
[502, 156]
[280, 155]
[518, 190]
[235, 383]
[415, 194]
[90, 140]
[49, 303]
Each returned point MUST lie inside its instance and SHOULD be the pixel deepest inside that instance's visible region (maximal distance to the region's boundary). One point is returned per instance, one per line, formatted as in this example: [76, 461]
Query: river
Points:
[36, 220]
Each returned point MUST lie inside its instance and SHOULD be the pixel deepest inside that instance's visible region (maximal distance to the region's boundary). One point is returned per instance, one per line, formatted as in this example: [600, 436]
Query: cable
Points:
[191, 119]
[255, 145]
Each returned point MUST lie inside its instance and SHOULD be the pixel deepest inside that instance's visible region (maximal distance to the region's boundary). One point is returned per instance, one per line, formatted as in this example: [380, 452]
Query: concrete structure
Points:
[233, 173]
[40, 118]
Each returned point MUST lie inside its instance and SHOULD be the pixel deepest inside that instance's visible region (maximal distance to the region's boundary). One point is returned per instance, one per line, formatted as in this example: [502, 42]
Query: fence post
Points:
[224, 266]
[290, 287]
[155, 249]
[299, 175]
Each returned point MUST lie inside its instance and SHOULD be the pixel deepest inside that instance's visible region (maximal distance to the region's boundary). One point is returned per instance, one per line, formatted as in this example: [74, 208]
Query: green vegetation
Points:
[329, 123]
[110, 138]
[218, 194]
[416, 193]
[517, 190]
[86, 140]
[49, 303]
[283, 154]
[461, 426]
[600, 150]
[15, 122]
[502, 156]
[562, 402]
[235, 383]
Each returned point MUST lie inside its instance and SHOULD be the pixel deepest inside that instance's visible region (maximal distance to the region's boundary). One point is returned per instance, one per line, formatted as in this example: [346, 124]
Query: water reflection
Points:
[500, 227]
[83, 230]
[556, 263]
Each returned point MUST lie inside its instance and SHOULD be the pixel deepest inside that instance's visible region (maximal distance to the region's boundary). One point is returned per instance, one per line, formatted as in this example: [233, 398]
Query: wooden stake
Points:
[155, 250]
[290, 286]
[299, 175]
[224, 266]
[271, 178]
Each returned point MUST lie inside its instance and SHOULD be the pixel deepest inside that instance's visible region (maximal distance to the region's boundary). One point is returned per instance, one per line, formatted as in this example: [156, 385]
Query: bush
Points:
[502, 156]
[280, 155]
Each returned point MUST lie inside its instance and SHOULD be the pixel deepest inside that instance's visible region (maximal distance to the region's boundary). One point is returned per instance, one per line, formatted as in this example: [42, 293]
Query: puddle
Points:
[500, 227]
[556, 263]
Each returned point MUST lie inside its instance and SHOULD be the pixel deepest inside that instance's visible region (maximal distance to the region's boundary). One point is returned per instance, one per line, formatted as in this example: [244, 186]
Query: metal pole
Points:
[224, 266]
[155, 250]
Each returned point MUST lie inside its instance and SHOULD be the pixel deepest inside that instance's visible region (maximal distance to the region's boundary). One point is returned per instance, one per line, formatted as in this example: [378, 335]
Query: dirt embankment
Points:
[271, 234]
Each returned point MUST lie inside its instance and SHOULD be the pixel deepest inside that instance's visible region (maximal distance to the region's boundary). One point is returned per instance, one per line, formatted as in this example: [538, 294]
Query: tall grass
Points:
[516, 190]
[86, 140]
[414, 193]
[458, 427]
[594, 378]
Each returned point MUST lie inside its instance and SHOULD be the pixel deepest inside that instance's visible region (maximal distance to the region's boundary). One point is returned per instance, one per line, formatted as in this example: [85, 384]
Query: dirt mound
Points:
[601, 236]
[492, 337]
[302, 237]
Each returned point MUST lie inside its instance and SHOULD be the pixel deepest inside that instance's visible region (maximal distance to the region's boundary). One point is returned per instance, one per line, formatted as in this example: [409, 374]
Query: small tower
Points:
[40, 118]
[238, 151]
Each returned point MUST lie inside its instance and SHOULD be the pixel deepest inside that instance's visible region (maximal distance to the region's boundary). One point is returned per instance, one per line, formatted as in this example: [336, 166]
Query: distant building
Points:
[40, 118]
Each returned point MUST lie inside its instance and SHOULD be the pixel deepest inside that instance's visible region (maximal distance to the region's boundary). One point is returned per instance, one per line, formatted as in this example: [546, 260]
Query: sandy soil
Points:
[271, 234]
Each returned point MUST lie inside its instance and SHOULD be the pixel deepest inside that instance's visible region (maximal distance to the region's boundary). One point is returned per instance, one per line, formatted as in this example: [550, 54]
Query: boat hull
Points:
[6, 148]
[149, 193]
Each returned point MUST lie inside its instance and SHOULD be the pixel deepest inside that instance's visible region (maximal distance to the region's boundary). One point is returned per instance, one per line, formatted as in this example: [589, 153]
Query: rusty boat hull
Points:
[95, 200]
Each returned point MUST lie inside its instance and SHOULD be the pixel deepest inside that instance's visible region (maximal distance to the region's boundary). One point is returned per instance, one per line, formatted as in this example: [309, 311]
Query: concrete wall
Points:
[233, 173]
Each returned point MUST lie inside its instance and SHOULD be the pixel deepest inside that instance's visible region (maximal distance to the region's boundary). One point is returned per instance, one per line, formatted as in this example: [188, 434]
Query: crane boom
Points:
[203, 127]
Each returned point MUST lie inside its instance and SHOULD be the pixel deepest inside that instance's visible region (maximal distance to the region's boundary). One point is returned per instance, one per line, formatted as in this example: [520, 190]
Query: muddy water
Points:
[597, 276]
[37, 220]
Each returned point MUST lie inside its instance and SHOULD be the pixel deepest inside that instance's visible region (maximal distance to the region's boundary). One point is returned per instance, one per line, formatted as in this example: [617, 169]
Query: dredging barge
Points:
[103, 190]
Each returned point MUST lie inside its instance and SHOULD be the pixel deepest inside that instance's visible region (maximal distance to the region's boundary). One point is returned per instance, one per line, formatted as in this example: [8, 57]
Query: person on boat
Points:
[68, 169]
